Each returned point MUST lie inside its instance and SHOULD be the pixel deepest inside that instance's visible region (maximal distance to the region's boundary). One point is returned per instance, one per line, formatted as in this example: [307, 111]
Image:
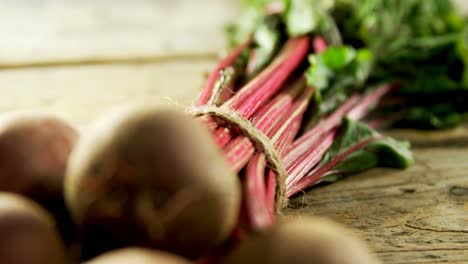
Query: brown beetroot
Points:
[151, 177]
[301, 241]
[34, 150]
[28, 234]
[137, 256]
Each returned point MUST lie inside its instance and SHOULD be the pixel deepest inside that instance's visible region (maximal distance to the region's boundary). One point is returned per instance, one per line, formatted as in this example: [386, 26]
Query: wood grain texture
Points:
[42, 32]
[433, 138]
[107, 52]
[78, 94]
[415, 216]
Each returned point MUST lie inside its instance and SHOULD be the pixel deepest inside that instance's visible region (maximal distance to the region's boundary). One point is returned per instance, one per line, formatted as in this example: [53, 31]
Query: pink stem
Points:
[214, 76]
[287, 138]
[255, 193]
[265, 120]
[283, 141]
[253, 103]
[222, 136]
[319, 44]
[377, 123]
[266, 83]
[267, 117]
[271, 192]
[294, 114]
[257, 166]
[369, 101]
[310, 159]
[275, 8]
[309, 139]
[238, 153]
[315, 176]
[291, 49]
[209, 122]
[252, 62]
[304, 162]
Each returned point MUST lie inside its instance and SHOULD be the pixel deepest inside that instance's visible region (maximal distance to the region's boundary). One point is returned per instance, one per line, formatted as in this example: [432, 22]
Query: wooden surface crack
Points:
[157, 59]
[435, 230]
[419, 250]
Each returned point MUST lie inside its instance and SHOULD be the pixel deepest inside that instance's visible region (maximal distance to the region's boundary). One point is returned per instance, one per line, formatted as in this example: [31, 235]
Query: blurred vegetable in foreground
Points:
[29, 233]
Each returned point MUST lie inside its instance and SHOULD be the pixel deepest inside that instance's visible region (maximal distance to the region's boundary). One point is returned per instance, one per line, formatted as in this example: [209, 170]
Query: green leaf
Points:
[351, 132]
[436, 116]
[362, 148]
[336, 58]
[267, 38]
[302, 16]
[342, 65]
[421, 84]
[412, 40]
[241, 31]
[336, 73]
[422, 44]
[362, 65]
[391, 153]
[357, 162]
[330, 63]
[462, 49]
[318, 75]
[260, 4]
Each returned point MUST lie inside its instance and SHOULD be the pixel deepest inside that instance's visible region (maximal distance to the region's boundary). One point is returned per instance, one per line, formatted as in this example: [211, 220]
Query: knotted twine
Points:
[261, 143]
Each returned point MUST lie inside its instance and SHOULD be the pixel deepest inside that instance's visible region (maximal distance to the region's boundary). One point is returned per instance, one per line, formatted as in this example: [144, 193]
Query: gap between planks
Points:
[160, 59]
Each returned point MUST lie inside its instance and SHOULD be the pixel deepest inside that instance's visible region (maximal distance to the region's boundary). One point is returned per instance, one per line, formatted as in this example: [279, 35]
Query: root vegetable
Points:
[34, 150]
[153, 177]
[304, 240]
[137, 256]
[28, 234]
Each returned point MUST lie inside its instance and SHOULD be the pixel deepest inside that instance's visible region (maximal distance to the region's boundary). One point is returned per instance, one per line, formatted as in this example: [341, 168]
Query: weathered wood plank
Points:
[425, 256]
[37, 32]
[415, 216]
[432, 138]
[78, 94]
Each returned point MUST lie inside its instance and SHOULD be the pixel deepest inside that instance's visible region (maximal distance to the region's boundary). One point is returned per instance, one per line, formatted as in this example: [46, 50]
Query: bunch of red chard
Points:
[317, 80]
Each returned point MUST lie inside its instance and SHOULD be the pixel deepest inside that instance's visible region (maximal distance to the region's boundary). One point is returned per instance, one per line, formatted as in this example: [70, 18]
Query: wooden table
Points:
[79, 58]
